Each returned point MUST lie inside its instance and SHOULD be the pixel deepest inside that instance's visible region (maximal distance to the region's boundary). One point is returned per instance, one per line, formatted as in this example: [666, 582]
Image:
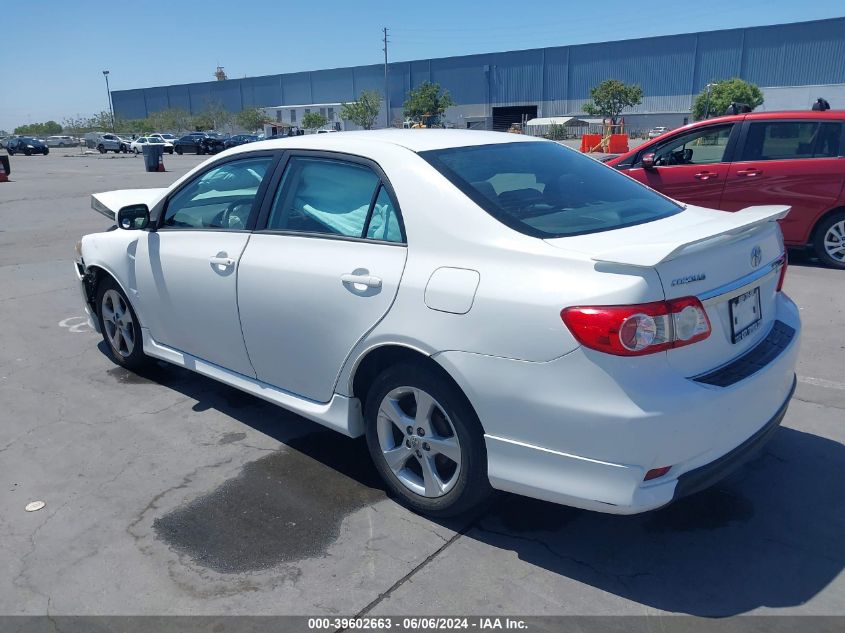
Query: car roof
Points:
[774, 115]
[415, 140]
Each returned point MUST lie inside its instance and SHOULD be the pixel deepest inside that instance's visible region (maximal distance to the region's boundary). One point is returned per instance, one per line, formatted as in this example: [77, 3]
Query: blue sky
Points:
[54, 52]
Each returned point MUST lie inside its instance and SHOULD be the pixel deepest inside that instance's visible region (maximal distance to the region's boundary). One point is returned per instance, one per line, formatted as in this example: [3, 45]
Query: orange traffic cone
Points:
[161, 163]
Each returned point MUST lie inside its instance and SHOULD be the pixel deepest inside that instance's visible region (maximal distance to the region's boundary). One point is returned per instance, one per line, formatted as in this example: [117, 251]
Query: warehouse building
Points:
[793, 63]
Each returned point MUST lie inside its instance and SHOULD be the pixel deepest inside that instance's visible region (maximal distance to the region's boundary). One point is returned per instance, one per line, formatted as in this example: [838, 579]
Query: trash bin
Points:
[153, 154]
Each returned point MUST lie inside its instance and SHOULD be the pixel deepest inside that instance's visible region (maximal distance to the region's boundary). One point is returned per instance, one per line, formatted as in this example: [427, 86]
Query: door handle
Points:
[219, 260]
[706, 175]
[748, 173]
[364, 280]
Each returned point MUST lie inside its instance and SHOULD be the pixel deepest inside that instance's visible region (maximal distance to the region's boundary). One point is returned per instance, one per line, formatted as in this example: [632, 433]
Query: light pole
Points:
[707, 103]
[108, 93]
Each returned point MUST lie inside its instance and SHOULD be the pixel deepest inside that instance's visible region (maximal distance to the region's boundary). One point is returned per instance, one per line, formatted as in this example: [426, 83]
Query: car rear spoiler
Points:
[108, 203]
[670, 245]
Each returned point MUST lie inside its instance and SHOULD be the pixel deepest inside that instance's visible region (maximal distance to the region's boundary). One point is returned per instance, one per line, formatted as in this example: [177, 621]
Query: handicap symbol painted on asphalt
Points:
[76, 324]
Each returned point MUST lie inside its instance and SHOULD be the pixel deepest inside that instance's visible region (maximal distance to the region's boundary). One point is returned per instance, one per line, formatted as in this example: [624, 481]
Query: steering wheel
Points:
[229, 218]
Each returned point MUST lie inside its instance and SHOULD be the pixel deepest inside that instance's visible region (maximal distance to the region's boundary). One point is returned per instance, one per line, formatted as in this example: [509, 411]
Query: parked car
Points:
[112, 143]
[167, 138]
[657, 131]
[62, 141]
[731, 162]
[239, 139]
[4, 140]
[26, 145]
[137, 146]
[491, 311]
[199, 143]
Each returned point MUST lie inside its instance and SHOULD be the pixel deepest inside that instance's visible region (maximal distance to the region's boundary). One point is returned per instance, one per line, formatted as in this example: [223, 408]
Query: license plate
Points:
[745, 314]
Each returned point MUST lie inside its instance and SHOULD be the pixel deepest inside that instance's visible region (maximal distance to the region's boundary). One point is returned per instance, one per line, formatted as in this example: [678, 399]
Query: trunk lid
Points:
[716, 256]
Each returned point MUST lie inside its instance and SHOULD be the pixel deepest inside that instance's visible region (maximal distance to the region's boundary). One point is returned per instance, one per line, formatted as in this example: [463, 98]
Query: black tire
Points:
[825, 225]
[200, 150]
[135, 359]
[46, 151]
[101, 148]
[11, 152]
[472, 488]
[179, 151]
[170, 151]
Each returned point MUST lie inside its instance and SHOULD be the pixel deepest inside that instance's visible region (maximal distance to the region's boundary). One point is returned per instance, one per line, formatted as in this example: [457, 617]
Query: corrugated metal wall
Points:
[670, 69]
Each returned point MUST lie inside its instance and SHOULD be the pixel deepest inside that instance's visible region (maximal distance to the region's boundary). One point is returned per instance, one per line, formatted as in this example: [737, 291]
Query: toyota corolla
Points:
[491, 311]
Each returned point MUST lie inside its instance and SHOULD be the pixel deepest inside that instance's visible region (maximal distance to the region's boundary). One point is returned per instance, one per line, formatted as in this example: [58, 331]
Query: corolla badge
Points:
[688, 279]
[756, 256]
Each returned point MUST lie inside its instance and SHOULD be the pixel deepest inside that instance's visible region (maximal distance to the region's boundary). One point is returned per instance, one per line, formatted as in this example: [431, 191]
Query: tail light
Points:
[783, 265]
[635, 330]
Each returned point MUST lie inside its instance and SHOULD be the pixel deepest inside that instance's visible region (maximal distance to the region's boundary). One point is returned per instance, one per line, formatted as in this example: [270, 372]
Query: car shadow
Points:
[770, 535]
[805, 258]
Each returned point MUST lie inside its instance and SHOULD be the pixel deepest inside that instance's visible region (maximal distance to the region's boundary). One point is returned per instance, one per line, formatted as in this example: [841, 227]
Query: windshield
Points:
[545, 190]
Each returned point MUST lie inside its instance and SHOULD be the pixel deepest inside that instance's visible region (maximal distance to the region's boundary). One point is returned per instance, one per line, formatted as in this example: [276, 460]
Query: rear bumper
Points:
[705, 476]
[584, 429]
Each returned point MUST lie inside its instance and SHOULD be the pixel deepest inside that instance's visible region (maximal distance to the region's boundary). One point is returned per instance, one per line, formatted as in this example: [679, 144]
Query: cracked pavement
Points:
[168, 493]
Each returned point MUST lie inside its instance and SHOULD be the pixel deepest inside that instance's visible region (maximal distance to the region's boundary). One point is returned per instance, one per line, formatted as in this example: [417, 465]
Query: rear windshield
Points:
[546, 190]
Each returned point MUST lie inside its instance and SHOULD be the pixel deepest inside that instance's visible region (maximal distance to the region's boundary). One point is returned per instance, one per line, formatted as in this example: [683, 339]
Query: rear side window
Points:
[785, 140]
[334, 197]
[545, 190]
[384, 224]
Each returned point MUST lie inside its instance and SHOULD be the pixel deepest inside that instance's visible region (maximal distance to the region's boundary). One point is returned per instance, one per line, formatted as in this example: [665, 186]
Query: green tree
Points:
[313, 121]
[557, 132]
[39, 129]
[175, 120]
[251, 118]
[213, 116]
[427, 103]
[612, 96]
[714, 101]
[364, 111]
[101, 121]
[76, 125]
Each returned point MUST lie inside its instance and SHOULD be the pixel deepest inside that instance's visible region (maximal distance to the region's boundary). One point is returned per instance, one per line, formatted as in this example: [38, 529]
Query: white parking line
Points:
[821, 382]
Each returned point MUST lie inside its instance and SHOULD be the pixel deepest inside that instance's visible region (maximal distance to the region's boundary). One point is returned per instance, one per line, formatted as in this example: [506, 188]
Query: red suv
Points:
[733, 162]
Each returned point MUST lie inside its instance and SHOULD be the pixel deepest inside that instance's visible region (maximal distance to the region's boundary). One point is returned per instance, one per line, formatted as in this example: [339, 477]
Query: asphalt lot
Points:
[168, 493]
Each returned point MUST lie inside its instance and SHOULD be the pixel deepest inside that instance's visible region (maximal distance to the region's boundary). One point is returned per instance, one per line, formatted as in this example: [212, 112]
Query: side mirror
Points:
[648, 161]
[133, 217]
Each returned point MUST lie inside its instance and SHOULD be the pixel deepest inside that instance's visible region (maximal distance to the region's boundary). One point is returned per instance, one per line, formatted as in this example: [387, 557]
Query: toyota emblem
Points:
[756, 256]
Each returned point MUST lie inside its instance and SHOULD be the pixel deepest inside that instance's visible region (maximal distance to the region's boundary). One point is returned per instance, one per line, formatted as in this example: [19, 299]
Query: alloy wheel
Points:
[418, 442]
[117, 321]
[834, 241]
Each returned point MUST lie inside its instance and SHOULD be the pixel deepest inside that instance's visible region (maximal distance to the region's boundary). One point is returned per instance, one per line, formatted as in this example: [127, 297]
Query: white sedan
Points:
[137, 146]
[492, 311]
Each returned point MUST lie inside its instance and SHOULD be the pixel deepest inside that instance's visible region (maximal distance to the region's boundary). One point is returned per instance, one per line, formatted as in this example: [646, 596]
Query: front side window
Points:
[221, 198]
[784, 140]
[698, 147]
[545, 190]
